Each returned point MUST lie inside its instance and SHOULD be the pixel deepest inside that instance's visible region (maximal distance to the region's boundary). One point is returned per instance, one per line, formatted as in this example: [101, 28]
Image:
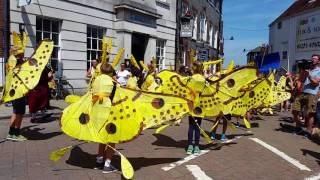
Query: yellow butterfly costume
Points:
[23, 78]
[95, 118]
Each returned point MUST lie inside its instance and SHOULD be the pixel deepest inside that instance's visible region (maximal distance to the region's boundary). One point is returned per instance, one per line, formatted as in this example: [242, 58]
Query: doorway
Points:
[138, 46]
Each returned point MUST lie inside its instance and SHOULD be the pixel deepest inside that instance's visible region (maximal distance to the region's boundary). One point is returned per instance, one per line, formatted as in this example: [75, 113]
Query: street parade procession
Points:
[110, 114]
[141, 118]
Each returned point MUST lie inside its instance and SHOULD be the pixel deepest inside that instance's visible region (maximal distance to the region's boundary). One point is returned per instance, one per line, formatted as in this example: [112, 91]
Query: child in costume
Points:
[105, 153]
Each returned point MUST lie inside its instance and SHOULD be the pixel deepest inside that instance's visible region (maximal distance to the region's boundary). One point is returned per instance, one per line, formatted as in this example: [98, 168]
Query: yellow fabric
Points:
[58, 154]
[132, 83]
[246, 123]
[144, 66]
[18, 43]
[104, 50]
[161, 128]
[172, 84]
[25, 77]
[109, 45]
[148, 83]
[134, 61]
[238, 78]
[230, 66]
[123, 120]
[277, 93]
[72, 99]
[217, 96]
[126, 167]
[281, 84]
[117, 58]
[12, 61]
[252, 98]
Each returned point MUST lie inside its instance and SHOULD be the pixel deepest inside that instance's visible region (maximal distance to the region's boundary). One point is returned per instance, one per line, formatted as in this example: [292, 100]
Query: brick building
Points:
[200, 29]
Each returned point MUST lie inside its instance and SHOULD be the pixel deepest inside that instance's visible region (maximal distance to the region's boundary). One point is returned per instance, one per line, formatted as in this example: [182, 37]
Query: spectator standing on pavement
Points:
[18, 105]
[309, 97]
[123, 75]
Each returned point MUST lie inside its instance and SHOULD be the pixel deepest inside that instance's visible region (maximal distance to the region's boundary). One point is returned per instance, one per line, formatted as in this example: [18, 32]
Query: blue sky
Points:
[247, 21]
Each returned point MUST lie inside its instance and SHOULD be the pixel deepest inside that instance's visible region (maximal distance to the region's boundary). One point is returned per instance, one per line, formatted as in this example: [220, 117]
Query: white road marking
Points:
[282, 154]
[316, 177]
[192, 156]
[186, 159]
[198, 173]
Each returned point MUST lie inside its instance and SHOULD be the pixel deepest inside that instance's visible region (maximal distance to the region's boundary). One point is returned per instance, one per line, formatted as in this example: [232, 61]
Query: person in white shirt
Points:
[123, 75]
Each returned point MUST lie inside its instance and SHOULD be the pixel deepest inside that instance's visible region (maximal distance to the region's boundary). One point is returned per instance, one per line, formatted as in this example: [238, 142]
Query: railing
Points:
[61, 88]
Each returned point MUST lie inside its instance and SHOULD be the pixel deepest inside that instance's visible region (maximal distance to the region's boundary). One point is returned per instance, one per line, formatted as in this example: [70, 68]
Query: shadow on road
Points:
[287, 128]
[33, 133]
[80, 158]
[166, 141]
[83, 159]
[163, 140]
[141, 162]
[312, 153]
[286, 119]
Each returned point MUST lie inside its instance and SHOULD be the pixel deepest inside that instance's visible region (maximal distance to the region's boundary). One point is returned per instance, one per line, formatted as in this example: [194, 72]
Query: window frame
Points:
[57, 43]
[98, 45]
[160, 58]
[284, 55]
[202, 27]
[279, 25]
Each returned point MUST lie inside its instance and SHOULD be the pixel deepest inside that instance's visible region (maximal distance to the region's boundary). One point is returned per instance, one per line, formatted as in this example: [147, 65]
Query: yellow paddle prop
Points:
[214, 126]
[247, 123]
[126, 167]
[58, 154]
[204, 134]
[161, 128]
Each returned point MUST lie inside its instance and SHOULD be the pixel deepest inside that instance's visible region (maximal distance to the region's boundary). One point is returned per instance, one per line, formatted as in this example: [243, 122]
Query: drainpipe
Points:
[6, 35]
[177, 41]
[219, 29]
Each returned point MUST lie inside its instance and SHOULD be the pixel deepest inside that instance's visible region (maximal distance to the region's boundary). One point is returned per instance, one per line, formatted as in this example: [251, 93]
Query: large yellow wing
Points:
[224, 90]
[232, 82]
[281, 84]
[172, 83]
[250, 99]
[96, 119]
[26, 76]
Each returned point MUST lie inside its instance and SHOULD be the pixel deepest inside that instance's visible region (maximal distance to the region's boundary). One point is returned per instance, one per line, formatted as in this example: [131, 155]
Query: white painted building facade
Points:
[144, 28]
[296, 37]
